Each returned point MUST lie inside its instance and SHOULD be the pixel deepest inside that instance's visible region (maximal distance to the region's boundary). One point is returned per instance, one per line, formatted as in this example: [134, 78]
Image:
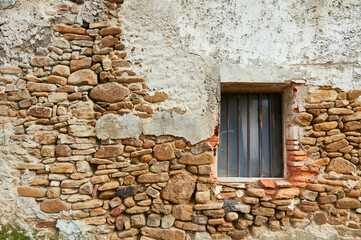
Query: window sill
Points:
[243, 179]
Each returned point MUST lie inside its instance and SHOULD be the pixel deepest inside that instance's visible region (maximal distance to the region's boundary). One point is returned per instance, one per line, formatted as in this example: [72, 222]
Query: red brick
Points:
[314, 169]
[298, 179]
[267, 183]
[291, 142]
[297, 153]
[304, 174]
[297, 158]
[298, 169]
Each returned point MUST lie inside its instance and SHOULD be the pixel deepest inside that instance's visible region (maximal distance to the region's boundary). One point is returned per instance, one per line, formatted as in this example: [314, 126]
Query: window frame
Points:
[285, 91]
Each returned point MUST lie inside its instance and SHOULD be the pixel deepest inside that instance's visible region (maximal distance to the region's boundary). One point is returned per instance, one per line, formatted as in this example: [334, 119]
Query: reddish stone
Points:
[118, 210]
[164, 151]
[46, 224]
[110, 31]
[109, 151]
[53, 206]
[62, 151]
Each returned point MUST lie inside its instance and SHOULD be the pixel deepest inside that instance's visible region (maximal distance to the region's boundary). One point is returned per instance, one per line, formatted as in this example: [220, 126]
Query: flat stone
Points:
[341, 165]
[109, 186]
[28, 102]
[319, 96]
[201, 159]
[209, 206]
[159, 167]
[95, 203]
[57, 80]
[53, 206]
[109, 151]
[126, 234]
[287, 193]
[262, 211]
[348, 203]
[241, 207]
[41, 87]
[61, 70]
[255, 192]
[157, 97]
[164, 152]
[325, 126]
[58, 97]
[335, 146]
[353, 125]
[18, 95]
[66, 29]
[353, 117]
[31, 192]
[31, 166]
[62, 168]
[340, 111]
[41, 62]
[110, 31]
[153, 178]
[126, 191]
[180, 188]
[46, 137]
[10, 70]
[42, 112]
[83, 77]
[109, 92]
[164, 234]
[81, 131]
[80, 64]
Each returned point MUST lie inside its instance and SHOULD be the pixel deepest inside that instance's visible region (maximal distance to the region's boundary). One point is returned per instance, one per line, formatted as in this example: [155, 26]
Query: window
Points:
[250, 135]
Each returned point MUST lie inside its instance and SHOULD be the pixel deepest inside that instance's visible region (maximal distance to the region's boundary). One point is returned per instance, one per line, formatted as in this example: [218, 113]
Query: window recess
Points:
[250, 135]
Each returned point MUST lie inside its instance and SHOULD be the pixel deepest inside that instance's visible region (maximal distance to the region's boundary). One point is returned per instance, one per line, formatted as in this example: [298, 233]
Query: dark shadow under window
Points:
[250, 135]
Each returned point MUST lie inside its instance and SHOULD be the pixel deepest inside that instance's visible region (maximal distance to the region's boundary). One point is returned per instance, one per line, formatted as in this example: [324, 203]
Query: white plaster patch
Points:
[163, 123]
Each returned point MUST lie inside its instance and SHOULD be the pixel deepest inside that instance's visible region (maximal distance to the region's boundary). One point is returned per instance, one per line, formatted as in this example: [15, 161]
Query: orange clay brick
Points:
[214, 138]
[314, 169]
[306, 174]
[298, 169]
[298, 179]
[297, 158]
[269, 193]
[290, 142]
[297, 153]
[267, 183]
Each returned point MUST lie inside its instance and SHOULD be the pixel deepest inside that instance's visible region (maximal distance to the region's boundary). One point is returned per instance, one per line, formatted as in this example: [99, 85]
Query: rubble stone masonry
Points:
[160, 187]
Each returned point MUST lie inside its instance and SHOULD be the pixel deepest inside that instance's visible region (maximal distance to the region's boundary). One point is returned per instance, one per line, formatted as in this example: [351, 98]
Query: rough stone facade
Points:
[94, 147]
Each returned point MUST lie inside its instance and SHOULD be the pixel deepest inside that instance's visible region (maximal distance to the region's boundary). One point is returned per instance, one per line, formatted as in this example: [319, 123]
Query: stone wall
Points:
[93, 153]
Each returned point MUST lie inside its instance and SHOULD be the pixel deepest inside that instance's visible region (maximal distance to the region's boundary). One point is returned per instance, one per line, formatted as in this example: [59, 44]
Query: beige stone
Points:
[341, 165]
[31, 192]
[62, 168]
[53, 206]
[95, 203]
[180, 188]
[83, 77]
[109, 92]
[61, 70]
[303, 119]
[325, 126]
[322, 96]
[80, 64]
[201, 159]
